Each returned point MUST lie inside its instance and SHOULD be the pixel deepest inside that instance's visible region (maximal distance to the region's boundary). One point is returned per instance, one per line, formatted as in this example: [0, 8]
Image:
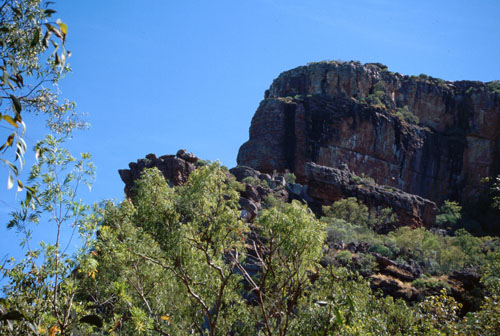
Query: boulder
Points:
[189, 157]
[241, 172]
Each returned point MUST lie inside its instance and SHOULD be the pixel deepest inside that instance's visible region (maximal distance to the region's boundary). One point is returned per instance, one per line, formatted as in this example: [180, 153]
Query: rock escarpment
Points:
[331, 184]
[425, 136]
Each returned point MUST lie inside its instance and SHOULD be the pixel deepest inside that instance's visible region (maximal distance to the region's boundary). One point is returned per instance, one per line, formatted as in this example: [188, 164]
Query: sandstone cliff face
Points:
[332, 113]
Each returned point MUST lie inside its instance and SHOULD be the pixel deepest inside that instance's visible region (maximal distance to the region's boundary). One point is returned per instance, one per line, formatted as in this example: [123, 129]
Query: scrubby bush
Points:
[255, 182]
[404, 114]
[364, 263]
[356, 213]
[202, 163]
[349, 210]
[381, 249]
[429, 283]
[289, 177]
[494, 86]
[344, 257]
[449, 214]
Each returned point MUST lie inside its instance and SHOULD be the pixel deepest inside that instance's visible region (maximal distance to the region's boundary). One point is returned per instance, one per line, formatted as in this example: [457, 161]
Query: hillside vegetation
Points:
[182, 261]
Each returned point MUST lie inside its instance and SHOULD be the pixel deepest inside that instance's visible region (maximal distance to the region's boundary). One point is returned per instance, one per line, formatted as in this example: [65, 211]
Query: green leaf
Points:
[36, 38]
[27, 201]
[22, 144]
[350, 303]
[19, 80]
[20, 153]
[17, 104]
[338, 317]
[31, 189]
[92, 319]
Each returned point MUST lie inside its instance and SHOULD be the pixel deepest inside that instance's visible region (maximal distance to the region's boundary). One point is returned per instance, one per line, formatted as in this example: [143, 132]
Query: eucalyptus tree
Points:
[41, 289]
[33, 60]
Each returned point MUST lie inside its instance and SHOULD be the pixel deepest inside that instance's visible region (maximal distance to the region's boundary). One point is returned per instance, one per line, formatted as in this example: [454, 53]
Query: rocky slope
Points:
[425, 136]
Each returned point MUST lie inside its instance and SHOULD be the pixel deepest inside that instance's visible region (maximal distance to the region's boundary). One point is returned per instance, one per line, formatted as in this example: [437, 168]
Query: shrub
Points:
[255, 181]
[381, 249]
[365, 264]
[339, 230]
[374, 100]
[235, 185]
[202, 163]
[425, 282]
[350, 210]
[470, 91]
[383, 218]
[493, 86]
[289, 177]
[344, 257]
[271, 201]
[449, 214]
[404, 114]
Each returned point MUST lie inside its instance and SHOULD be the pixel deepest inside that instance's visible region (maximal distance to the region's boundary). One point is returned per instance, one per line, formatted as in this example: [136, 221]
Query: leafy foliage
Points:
[33, 60]
[449, 214]
[352, 211]
[42, 288]
[349, 221]
[180, 261]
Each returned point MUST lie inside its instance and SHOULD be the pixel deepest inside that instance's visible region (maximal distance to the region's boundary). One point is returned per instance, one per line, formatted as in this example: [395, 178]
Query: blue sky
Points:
[154, 76]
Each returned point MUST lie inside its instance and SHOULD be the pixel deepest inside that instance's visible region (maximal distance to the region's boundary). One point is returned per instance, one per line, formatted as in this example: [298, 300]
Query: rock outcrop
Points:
[327, 185]
[422, 135]
[175, 168]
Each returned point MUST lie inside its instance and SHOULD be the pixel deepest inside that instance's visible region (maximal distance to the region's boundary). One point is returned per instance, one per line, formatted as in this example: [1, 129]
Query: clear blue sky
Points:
[155, 76]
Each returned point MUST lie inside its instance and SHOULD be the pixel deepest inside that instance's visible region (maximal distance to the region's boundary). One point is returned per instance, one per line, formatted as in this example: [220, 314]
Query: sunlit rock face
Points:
[425, 136]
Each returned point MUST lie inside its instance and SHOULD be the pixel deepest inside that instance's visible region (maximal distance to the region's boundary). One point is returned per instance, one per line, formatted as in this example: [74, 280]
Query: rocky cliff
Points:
[423, 135]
